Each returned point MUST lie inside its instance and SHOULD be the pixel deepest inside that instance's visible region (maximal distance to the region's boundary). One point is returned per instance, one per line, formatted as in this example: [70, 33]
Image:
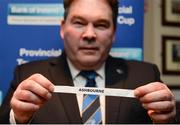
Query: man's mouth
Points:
[89, 50]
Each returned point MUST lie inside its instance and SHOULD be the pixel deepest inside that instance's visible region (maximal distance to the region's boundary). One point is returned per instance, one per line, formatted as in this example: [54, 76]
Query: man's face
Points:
[88, 33]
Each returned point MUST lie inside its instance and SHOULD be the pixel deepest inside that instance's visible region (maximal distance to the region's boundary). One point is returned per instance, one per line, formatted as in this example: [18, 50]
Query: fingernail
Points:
[36, 107]
[136, 93]
[48, 96]
[51, 88]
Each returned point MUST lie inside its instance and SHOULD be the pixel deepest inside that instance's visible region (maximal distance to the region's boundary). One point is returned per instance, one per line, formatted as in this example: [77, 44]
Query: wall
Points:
[152, 37]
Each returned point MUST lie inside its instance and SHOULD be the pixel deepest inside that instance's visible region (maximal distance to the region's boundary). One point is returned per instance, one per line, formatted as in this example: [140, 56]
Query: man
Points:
[88, 32]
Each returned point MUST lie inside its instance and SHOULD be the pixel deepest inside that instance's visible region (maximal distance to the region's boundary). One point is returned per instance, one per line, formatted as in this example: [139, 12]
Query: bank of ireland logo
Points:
[35, 14]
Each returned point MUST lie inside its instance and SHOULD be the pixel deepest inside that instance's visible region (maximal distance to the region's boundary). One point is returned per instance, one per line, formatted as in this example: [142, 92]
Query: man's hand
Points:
[29, 96]
[158, 100]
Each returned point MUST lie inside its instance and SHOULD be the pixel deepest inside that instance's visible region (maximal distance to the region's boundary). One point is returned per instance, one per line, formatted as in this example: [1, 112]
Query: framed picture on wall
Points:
[171, 12]
[171, 55]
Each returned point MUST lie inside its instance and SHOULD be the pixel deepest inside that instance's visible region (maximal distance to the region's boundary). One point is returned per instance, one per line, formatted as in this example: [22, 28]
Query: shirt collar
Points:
[74, 71]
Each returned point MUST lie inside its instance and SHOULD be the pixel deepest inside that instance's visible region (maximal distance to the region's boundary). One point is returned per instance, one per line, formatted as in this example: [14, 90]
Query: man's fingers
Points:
[43, 81]
[163, 106]
[35, 88]
[23, 106]
[28, 96]
[151, 87]
[161, 95]
[161, 117]
[158, 100]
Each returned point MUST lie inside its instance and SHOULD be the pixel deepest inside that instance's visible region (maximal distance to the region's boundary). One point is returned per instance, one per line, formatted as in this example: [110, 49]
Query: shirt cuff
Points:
[11, 117]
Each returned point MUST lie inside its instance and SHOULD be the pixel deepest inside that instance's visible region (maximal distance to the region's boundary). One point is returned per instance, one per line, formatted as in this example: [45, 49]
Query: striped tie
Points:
[91, 112]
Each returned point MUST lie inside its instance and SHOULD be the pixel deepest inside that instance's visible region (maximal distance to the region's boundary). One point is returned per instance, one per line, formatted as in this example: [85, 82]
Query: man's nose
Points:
[89, 33]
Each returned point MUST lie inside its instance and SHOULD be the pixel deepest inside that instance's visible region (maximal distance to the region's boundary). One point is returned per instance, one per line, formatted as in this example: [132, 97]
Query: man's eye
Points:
[78, 23]
[101, 26]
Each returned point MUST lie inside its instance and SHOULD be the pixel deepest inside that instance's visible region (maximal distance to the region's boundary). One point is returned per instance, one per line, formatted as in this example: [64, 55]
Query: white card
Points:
[95, 91]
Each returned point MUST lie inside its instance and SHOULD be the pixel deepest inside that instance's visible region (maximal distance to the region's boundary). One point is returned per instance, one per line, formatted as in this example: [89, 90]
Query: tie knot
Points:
[90, 75]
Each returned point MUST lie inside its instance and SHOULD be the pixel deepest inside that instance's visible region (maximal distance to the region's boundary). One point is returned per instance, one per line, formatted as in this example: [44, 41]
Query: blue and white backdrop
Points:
[29, 30]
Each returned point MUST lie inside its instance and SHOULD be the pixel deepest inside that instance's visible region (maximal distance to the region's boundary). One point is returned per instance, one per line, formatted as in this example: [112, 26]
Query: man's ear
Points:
[62, 29]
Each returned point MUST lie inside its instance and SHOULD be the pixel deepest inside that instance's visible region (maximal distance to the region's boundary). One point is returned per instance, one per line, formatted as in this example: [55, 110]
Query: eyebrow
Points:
[77, 17]
[101, 20]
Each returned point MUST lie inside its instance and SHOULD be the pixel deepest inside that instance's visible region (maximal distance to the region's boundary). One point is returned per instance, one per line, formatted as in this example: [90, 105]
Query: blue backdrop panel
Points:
[29, 30]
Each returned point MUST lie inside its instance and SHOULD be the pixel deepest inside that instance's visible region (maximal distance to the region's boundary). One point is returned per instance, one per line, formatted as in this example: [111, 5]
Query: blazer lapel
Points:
[61, 76]
[116, 73]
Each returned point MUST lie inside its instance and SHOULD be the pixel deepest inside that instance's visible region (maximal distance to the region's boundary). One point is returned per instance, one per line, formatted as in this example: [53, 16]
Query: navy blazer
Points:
[63, 108]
